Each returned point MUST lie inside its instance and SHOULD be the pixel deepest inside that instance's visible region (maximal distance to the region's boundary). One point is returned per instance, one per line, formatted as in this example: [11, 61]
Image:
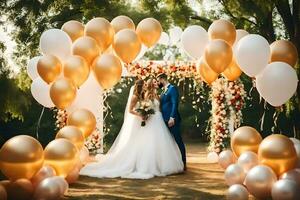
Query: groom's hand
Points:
[171, 122]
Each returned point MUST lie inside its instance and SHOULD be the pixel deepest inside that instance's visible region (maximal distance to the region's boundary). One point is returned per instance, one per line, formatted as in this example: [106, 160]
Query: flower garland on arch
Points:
[228, 99]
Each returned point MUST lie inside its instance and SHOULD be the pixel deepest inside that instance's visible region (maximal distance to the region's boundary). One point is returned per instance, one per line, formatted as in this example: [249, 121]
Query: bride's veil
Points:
[127, 129]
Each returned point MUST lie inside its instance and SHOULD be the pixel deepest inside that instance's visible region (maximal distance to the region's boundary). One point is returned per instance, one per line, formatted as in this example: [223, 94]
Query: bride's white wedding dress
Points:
[139, 152]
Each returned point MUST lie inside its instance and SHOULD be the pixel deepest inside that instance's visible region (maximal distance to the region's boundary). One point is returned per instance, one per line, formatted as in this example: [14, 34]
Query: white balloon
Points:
[164, 39]
[40, 91]
[277, 83]
[89, 96]
[194, 40]
[32, 67]
[56, 42]
[253, 54]
[240, 33]
[143, 50]
[175, 34]
[212, 157]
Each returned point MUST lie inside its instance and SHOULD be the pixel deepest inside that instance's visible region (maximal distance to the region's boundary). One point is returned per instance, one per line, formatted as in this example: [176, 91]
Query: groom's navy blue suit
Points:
[169, 108]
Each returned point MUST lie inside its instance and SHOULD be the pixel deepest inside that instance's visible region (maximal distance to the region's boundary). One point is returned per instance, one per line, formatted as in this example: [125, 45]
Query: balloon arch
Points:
[79, 64]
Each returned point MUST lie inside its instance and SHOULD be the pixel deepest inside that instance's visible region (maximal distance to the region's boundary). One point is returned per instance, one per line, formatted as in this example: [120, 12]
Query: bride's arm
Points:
[133, 102]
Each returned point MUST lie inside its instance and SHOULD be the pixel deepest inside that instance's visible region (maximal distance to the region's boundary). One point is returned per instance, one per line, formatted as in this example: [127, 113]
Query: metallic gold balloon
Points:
[107, 70]
[222, 29]
[278, 152]
[149, 31]
[21, 189]
[122, 22]
[45, 172]
[73, 134]
[127, 45]
[233, 71]
[101, 30]
[244, 139]
[206, 73]
[76, 69]
[218, 55]
[73, 175]
[63, 92]
[61, 154]
[87, 48]
[74, 29]
[3, 193]
[49, 68]
[84, 120]
[284, 51]
[21, 157]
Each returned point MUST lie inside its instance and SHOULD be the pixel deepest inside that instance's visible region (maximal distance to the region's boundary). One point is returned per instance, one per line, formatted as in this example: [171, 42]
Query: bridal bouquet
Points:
[145, 109]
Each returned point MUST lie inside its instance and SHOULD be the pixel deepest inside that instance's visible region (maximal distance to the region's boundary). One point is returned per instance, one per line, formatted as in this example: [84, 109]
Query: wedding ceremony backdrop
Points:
[238, 91]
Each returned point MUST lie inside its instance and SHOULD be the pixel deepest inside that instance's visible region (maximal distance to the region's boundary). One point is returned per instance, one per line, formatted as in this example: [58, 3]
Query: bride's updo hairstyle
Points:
[139, 89]
[150, 89]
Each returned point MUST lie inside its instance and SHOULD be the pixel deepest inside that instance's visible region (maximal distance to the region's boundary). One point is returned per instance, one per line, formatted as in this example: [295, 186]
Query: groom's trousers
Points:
[175, 130]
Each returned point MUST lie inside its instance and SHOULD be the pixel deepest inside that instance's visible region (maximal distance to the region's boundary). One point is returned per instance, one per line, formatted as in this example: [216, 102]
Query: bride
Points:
[139, 152]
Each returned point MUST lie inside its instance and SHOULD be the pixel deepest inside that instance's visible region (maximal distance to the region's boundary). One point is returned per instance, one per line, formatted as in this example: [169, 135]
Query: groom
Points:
[169, 107]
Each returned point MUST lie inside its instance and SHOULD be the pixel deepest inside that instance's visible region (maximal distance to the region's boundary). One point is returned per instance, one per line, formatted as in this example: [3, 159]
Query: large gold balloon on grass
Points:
[84, 120]
[284, 51]
[278, 152]
[233, 71]
[61, 154]
[244, 139]
[206, 73]
[101, 30]
[149, 31]
[76, 69]
[222, 29]
[107, 70]
[63, 92]
[218, 55]
[87, 48]
[73, 134]
[127, 45]
[74, 29]
[122, 22]
[21, 157]
[49, 68]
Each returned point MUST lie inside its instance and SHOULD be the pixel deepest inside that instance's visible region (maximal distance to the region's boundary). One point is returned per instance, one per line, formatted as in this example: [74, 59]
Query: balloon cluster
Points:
[69, 56]
[37, 173]
[262, 167]
[225, 50]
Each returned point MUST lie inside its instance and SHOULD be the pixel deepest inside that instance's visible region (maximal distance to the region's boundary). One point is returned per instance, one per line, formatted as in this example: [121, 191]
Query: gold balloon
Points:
[76, 69]
[101, 30]
[218, 55]
[206, 73]
[21, 157]
[284, 51]
[87, 48]
[122, 22]
[244, 139]
[278, 152]
[233, 71]
[61, 154]
[107, 70]
[49, 68]
[222, 29]
[84, 120]
[149, 31]
[127, 45]
[63, 93]
[74, 29]
[21, 189]
[73, 134]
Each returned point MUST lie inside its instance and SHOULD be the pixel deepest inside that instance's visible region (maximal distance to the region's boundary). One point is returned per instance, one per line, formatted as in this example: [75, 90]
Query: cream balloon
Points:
[226, 158]
[74, 29]
[143, 50]
[164, 39]
[240, 33]
[84, 155]
[297, 148]
[237, 192]
[194, 40]
[253, 54]
[56, 42]
[48, 189]
[40, 92]
[293, 175]
[21, 189]
[175, 35]
[277, 75]
[260, 180]
[212, 157]
[285, 190]
[32, 67]
[234, 174]
[248, 160]
[45, 172]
